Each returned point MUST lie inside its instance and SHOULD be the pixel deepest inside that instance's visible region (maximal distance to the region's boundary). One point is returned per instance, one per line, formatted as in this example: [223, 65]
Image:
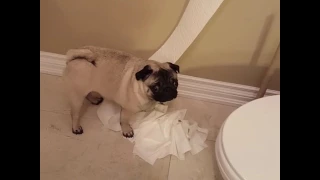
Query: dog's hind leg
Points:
[77, 76]
[76, 103]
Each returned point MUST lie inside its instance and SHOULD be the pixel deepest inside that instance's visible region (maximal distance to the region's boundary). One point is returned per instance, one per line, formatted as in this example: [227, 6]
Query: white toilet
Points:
[248, 144]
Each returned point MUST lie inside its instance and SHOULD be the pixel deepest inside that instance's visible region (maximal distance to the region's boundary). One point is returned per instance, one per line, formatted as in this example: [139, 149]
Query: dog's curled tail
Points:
[80, 54]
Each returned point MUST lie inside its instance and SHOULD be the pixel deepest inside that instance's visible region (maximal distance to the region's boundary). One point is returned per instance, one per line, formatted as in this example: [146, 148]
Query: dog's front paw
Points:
[77, 130]
[127, 130]
[129, 134]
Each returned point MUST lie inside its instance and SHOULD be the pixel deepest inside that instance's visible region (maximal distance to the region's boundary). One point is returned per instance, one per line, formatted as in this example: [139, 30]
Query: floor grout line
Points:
[169, 167]
[62, 113]
[95, 118]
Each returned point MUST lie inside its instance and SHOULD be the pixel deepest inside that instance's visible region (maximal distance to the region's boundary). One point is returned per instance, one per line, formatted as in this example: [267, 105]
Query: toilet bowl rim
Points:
[222, 151]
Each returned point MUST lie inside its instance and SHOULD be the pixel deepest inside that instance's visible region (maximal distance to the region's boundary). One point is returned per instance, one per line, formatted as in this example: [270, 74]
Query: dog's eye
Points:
[156, 88]
[175, 83]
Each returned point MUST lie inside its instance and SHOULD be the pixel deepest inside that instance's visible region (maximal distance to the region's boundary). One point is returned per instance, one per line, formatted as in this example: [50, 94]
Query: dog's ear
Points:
[144, 73]
[174, 67]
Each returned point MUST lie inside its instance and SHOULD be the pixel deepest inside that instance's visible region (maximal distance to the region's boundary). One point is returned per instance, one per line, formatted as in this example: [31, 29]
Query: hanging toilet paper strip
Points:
[158, 133]
[195, 17]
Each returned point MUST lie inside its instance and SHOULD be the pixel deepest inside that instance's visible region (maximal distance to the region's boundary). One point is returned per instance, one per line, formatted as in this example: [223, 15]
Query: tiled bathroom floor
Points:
[101, 154]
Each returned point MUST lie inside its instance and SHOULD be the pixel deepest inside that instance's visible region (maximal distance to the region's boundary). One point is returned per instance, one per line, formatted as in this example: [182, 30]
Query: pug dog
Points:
[96, 73]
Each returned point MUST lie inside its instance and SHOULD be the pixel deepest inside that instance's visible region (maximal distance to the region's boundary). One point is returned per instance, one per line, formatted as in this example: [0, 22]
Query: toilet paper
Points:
[157, 133]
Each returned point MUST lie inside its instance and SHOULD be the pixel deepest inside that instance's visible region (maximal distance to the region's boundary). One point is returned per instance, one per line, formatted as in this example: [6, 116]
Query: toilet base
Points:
[225, 168]
[248, 144]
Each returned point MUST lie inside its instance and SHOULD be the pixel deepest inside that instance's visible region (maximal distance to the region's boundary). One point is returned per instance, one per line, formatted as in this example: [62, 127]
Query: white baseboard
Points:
[189, 86]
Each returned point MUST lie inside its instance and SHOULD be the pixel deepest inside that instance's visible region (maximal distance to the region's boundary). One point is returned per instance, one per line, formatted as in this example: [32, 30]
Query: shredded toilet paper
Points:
[157, 133]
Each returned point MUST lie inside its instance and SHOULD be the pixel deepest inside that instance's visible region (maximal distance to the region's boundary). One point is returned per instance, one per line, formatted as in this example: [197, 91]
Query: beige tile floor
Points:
[100, 154]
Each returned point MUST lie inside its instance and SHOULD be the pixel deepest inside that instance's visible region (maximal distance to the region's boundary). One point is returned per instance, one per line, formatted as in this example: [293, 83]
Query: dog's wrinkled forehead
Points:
[164, 75]
[152, 68]
[165, 70]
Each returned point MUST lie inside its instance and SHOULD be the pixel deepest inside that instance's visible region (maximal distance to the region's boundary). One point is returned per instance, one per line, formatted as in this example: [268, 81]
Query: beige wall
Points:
[135, 26]
[237, 44]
